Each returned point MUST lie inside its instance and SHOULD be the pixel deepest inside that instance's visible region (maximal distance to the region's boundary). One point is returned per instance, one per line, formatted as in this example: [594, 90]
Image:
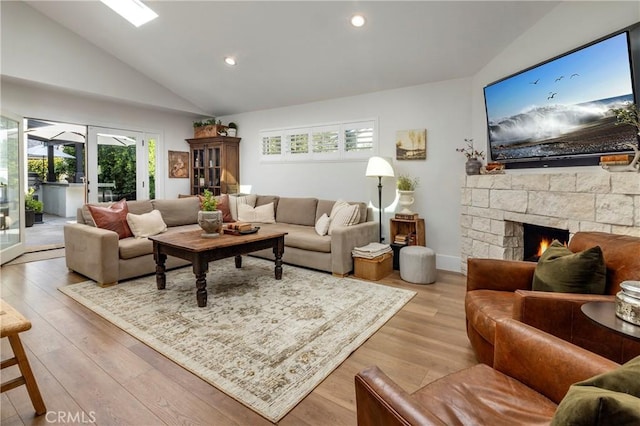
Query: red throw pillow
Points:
[113, 218]
[223, 206]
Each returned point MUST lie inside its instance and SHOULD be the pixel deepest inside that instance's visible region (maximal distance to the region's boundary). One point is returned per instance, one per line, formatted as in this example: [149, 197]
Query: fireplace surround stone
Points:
[494, 207]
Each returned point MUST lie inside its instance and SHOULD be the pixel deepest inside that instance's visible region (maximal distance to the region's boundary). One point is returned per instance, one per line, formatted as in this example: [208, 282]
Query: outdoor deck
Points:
[48, 234]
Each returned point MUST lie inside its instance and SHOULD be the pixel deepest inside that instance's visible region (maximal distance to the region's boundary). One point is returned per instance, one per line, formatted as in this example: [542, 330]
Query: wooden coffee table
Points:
[200, 251]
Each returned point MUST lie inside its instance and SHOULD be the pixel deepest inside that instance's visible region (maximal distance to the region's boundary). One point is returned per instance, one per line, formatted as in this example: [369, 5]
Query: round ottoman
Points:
[418, 264]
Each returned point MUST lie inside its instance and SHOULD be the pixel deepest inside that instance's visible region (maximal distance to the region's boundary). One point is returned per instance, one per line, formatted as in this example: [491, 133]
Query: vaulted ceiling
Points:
[291, 53]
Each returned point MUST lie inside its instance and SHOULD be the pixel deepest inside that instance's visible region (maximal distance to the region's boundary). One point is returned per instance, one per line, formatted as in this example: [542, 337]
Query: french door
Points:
[12, 187]
[119, 165]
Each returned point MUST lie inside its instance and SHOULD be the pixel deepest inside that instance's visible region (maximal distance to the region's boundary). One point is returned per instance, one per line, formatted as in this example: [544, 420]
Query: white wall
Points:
[36, 101]
[570, 25]
[442, 108]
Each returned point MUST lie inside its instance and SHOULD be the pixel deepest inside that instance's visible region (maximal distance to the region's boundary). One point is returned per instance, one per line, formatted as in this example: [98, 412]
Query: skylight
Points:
[133, 11]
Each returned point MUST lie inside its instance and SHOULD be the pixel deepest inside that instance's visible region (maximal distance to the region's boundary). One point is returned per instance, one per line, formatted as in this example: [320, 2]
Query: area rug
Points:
[265, 342]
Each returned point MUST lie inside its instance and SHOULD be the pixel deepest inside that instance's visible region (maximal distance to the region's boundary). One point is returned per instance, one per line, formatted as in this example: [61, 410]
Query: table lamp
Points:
[379, 167]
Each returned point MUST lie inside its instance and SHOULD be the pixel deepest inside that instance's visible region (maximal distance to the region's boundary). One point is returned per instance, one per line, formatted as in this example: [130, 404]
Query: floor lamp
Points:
[379, 167]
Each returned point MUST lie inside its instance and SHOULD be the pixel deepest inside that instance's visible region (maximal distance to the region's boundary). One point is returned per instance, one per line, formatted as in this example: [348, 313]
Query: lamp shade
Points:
[379, 167]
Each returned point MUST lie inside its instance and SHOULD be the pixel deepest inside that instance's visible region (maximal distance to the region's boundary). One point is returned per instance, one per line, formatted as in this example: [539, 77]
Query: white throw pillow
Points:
[260, 214]
[340, 204]
[346, 216]
[322, 225]
[236, 200]
[146, 224]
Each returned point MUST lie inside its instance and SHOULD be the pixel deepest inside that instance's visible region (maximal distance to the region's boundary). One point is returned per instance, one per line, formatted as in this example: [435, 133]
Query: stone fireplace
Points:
[495, 207]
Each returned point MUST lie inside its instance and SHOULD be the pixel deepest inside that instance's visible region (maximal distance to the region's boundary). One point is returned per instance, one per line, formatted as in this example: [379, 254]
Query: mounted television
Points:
[558, 113]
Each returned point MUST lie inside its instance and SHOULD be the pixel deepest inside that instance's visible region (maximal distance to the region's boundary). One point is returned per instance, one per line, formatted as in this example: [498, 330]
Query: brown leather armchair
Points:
[498, 289]
[532, 372]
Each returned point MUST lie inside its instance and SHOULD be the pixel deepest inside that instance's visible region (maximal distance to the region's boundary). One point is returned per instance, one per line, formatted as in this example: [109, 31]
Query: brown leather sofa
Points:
[499, 289]
[532, 372]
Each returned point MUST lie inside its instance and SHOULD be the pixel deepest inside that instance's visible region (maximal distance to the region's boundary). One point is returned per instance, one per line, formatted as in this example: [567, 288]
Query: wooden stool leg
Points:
[25, 370]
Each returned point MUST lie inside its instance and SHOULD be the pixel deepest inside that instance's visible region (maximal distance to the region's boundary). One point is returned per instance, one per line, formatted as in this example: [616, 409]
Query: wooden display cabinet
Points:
[215, 165]
[406, 227]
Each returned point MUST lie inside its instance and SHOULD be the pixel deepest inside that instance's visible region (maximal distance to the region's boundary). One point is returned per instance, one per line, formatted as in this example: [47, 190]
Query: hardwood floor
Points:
[90, 371]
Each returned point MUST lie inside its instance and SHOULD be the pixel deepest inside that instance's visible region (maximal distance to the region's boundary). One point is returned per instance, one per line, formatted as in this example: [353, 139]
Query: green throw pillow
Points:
[612, 398]
[561, 270]
[589, 406]
[625, 378]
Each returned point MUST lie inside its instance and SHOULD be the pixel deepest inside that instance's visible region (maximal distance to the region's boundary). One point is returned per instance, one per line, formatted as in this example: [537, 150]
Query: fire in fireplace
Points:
[538, 238]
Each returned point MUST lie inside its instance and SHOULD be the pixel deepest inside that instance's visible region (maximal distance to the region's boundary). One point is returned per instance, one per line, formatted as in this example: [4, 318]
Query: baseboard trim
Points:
[448, 263]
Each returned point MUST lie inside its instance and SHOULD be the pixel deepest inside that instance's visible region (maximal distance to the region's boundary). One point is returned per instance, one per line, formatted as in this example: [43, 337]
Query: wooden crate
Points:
[373, 269]
[209, 131]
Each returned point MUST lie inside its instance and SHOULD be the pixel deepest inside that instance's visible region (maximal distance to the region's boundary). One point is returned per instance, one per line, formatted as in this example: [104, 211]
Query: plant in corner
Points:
[473, 165]
[32, 207]
[407, 183]
[406, 186]
[209, 219]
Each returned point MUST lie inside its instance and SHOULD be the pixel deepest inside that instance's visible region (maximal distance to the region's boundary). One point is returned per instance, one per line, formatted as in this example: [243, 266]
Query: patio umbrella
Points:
[57, 132]
[42, 151]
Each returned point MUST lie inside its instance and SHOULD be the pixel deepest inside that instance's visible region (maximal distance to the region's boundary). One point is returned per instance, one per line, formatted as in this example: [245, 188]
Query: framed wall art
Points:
[411, 144]
[178, 162]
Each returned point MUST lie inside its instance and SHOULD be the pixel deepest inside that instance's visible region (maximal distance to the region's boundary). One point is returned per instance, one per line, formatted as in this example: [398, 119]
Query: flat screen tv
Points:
[558, 113]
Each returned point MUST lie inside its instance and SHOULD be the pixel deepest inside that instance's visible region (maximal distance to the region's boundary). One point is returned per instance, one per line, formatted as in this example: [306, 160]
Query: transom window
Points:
[336, 141]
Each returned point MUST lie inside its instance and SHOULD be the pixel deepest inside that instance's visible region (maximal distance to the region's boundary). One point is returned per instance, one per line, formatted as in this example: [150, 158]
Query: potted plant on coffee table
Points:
[209, 218]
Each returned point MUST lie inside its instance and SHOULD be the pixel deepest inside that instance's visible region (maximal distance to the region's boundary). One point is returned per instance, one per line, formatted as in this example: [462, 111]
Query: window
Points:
[325, 141]
[358, 138]
[298, 143]
[271, 146]
[347, 140]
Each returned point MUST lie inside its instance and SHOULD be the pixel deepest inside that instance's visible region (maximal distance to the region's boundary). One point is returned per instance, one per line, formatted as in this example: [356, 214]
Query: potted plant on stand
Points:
[473, 165]
[32, 208]
[209, 218]
[406, 187]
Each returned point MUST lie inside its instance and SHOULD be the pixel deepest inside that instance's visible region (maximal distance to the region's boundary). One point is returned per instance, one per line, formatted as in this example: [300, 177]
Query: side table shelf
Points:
[407, 227]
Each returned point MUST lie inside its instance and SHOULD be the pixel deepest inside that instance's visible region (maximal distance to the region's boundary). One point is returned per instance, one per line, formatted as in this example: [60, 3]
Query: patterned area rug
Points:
[264, 342]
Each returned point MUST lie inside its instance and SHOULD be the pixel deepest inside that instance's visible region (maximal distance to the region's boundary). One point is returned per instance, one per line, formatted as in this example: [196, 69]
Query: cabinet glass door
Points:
[199, 171]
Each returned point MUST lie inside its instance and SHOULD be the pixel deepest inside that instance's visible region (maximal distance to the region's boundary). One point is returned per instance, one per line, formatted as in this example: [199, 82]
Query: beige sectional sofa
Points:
[99, 254]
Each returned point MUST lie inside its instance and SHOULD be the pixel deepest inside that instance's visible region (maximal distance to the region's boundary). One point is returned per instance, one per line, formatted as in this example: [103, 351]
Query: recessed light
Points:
[133, 11]
[229, 60]
[357, 21]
